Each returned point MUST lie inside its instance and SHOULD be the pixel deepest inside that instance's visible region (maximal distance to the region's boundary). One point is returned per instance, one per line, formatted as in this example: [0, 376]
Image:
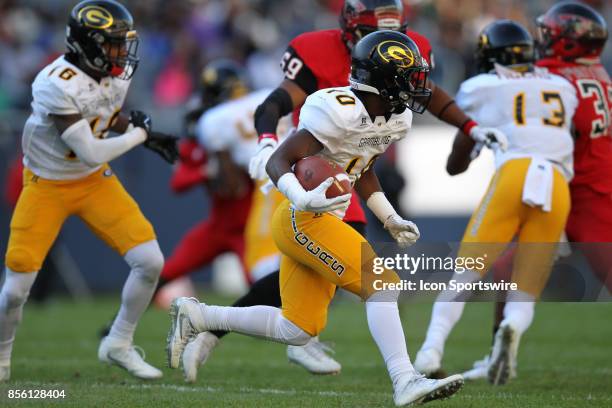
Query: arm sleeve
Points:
[94, 152]
[322, 122]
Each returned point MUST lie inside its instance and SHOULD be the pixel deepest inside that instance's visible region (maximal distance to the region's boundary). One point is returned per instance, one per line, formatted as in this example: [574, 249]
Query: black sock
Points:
[265, 291]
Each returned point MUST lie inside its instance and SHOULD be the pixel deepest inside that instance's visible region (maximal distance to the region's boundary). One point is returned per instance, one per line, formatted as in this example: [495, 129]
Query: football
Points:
[312, 171]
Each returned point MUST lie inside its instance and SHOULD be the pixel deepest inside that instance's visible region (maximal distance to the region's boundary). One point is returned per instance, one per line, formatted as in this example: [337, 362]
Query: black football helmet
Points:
[388, 63]
[571, 30]
[362, 17]
[222, 80]
[100, 33]
[507, 43]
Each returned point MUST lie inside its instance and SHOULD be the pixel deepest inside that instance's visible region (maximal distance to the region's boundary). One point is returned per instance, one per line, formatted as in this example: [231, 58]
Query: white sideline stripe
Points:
[180, 388]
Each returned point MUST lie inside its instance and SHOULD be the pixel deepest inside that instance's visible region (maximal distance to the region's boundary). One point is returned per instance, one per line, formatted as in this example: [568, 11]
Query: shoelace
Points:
[136, 349]
[321, 349]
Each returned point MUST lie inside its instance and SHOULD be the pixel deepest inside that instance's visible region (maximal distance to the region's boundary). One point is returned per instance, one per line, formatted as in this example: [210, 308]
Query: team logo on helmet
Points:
[397, 52]
[95, 17]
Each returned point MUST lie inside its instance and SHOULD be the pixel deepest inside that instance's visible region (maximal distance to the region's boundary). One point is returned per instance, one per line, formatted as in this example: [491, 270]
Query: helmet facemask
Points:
[121, 54]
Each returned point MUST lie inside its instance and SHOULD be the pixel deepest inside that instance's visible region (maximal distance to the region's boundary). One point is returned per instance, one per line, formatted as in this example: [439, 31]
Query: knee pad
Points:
[147, 259]
[292, 334]
[22, 260]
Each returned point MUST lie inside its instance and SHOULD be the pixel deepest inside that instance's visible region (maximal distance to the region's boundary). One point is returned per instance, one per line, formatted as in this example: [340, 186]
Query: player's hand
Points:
[315, 200]
[404, 232]
[257, 165]
[164, 145]
[490, 137]
[141, 120]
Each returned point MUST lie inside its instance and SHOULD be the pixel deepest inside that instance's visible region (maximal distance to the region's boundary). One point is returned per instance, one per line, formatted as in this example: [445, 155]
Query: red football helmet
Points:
[362, 17]
[571, 30]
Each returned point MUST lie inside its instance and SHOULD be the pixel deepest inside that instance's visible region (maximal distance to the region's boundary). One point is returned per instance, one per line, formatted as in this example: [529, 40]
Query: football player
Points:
[319, 251]
[223, 230]
[228, 135]
[321, 59]
[572, 37]
[528, 196]
[77, 101]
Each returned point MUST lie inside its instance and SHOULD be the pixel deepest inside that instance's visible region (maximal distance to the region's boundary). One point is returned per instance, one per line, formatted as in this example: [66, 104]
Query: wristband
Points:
[466, 128]
[267, 136]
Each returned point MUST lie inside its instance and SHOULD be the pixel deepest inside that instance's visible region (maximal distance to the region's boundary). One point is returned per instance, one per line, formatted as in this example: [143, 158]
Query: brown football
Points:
[312, 171]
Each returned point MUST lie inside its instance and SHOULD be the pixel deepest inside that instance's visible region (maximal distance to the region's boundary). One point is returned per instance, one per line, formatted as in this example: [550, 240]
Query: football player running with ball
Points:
[77, 100]
[388, 75]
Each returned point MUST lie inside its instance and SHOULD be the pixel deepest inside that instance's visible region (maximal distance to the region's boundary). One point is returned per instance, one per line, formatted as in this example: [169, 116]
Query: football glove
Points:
[313, 200]
[257, 165]
[141, 120]
[164, 145]
[404, 232]
[490, 137]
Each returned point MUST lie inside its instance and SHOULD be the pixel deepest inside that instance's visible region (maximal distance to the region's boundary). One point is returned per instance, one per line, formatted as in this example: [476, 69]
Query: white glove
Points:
[313, 200]
[404, 232]
[490, 137]
[257, 165]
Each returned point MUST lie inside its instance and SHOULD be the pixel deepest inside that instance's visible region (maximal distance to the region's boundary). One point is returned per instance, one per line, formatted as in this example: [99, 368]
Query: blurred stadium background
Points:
[179, 37]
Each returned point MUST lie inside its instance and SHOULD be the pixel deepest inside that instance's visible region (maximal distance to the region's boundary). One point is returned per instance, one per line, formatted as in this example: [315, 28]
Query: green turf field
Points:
[565, 361]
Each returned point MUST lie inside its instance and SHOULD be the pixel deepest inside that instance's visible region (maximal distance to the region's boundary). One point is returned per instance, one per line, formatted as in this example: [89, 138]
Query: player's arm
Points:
[299, 82]
[368, 187]
[76, 133]
[446, 109]
[461, 155]
[299, 145]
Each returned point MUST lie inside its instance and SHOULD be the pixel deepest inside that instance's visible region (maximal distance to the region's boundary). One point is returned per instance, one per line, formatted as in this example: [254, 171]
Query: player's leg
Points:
[337, 252]
[114, 216]
[494, 222]
[590, 222]
[261, 259]
[502, 270]
[36, 221]
[198, 247]
[538, 243]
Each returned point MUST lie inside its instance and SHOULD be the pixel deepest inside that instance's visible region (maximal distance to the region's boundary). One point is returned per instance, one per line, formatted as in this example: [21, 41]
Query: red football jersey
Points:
[320, 59]
[592, 121]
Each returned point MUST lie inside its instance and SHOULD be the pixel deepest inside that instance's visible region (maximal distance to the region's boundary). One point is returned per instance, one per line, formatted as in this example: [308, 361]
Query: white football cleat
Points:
[125, 355]
[314, 357]
[479, 370]
[181, 329]
[5, 373]
[418, 389]
[196, 353]
[502, 366]
[428, 361]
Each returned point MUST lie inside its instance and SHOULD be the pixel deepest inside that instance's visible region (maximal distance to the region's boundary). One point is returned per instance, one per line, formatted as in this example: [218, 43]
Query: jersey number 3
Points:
[589, 88]
[557, 116]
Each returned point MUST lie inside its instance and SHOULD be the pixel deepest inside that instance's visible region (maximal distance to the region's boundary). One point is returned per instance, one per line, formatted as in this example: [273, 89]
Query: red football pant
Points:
[200, 246]
[590, 221]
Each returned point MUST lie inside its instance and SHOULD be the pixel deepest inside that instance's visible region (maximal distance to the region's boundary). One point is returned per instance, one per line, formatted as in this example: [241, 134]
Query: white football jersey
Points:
[339, 120]
[533, 109]
[231, 126]
[61, 88]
